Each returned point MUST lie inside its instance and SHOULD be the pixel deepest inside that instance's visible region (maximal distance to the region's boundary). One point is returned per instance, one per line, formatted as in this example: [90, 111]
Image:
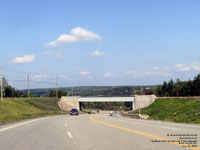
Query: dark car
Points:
[73, 112]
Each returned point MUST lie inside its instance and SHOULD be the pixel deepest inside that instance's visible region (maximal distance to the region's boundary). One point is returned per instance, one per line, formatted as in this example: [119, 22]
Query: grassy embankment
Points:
[12, 109]
[186, 110]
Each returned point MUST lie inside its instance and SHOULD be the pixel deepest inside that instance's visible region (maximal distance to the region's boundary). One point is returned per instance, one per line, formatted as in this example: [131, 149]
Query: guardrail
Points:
[135, 116]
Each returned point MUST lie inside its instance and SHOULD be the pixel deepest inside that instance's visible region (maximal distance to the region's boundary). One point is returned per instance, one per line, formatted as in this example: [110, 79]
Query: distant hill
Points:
[93, 90]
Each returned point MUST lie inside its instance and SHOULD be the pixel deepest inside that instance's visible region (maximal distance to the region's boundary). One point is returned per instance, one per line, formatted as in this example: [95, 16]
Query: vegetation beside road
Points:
[185, 110]
[12, 109]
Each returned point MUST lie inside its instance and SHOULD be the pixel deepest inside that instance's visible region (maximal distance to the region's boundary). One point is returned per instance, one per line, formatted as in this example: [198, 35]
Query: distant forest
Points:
[93, 90]
[170, 88]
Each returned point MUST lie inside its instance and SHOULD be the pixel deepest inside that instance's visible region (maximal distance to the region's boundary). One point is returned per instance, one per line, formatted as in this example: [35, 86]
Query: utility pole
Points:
[56, 86]
[1, 85]
[28, 82]
[72, 91]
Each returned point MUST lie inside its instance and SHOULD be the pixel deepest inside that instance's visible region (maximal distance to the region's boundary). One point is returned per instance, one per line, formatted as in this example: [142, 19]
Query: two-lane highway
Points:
[98, 132]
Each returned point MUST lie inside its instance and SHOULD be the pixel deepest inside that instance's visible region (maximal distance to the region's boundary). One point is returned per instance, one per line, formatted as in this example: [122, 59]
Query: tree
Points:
[178, 87]
[60, 93]
[5, 82]
[164, 89]
[159, 90]
[9, 91]
[170, 88]
[196, 85]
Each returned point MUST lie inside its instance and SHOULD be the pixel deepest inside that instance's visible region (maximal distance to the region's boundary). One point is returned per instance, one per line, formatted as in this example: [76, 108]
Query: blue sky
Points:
[93, 42]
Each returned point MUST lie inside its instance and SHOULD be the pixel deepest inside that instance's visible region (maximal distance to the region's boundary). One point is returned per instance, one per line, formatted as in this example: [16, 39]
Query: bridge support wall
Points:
[142, 101]
[68, 102]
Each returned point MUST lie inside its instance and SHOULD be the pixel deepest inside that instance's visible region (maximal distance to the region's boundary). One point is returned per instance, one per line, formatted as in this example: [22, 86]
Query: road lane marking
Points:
[170, 128]
[144, 134]
[166, 123]
[69, 134]
[65, 124]
[4, 129]
[24, 123]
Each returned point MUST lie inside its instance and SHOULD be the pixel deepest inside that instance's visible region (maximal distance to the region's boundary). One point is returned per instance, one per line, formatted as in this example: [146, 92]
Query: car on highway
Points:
[111, 113]
[73, 112]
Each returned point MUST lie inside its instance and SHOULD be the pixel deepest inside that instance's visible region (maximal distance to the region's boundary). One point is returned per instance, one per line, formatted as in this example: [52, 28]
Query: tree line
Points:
[179, 88]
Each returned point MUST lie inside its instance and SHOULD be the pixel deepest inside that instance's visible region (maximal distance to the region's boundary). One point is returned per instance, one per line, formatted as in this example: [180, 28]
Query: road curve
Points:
[95, 132]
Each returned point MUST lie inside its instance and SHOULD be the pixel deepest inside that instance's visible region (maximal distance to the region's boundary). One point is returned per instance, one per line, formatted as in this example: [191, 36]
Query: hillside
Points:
[12, 109]
[186, 110]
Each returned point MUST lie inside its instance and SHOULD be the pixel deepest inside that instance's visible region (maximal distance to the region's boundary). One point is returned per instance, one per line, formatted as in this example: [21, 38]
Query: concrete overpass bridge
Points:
[138, 101]
[106, 99]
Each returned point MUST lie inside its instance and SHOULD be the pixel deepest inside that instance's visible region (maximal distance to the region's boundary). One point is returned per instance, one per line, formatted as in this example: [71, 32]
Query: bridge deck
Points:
[105, 99]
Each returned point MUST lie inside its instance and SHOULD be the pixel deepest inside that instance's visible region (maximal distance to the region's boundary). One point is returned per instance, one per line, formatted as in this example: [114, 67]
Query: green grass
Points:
[12, 109]
[186, 110]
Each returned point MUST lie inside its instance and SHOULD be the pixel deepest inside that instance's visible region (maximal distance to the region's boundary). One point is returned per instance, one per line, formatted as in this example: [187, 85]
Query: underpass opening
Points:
[126, 106]
[106, 103]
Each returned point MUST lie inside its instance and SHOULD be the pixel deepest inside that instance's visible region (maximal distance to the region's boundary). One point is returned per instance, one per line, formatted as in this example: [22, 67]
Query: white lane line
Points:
[65, 124]
[135, 123]
[166, 123]
[4, 129]
[170, 128]
[26, 122]
[69, 134]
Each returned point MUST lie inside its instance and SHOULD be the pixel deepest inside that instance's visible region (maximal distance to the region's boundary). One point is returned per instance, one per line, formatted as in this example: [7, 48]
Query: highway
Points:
[95, 132]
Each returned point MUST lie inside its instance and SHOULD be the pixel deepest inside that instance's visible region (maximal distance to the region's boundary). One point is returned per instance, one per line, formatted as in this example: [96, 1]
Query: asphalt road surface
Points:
[96, 132]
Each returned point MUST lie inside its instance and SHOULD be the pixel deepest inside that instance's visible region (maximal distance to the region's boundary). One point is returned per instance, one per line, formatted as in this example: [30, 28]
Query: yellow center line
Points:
[145, 134]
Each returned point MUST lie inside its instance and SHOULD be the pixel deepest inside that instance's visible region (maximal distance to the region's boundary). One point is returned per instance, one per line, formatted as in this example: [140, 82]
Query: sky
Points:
[98, 42]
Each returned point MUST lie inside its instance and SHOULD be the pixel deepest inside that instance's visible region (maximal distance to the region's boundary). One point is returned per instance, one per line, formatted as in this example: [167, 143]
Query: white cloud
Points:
[57, 53]
[195, 65]
[84, 73]
[23, 60]
[38, 77]
[155, 68]
[84, 35]
[108, 75]
[62, 39]
[183, 67]
[167, 68]
[62, 76]
[188, 67]
[157, 73]
[147, 73]
[97, 53]
[76, 35]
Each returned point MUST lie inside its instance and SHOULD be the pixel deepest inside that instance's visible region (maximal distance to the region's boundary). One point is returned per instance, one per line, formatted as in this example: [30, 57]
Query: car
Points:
[73, 112]
[111, 113]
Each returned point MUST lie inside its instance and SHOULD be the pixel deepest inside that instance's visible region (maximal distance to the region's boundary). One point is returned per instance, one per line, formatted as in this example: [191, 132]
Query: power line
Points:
[16, 71]
[46, 82]
[28, 84]
[30, 79]
[56, 86]
[1, 85]
[16, 80]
